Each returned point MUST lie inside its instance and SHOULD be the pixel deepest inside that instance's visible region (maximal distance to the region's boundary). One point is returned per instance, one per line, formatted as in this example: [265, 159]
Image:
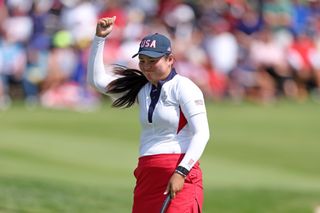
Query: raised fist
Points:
[104, 26]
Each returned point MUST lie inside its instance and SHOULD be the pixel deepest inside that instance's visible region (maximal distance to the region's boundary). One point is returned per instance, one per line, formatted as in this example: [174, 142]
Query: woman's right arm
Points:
[98, 75]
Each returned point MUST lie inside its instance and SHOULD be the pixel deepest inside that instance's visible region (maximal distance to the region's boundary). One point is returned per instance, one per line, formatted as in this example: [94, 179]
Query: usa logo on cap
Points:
[154, 45]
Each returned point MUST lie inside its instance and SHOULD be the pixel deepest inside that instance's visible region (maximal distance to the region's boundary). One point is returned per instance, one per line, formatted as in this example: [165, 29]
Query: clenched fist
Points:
[104, 26]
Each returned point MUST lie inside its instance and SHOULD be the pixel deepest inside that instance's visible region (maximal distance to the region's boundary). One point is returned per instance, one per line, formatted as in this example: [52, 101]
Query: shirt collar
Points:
[168, 78]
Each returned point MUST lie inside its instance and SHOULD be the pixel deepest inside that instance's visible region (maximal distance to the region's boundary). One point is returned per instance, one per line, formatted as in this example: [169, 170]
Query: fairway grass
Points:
[259, 159]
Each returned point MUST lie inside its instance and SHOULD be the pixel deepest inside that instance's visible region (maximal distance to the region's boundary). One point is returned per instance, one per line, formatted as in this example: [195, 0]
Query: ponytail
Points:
[129, 84]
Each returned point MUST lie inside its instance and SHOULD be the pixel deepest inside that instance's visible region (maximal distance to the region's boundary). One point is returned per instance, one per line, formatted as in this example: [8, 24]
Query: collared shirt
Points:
[164, 113]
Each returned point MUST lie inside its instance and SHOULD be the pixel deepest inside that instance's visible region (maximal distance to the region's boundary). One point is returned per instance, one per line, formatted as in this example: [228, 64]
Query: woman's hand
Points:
[104, 26]
[175, 185]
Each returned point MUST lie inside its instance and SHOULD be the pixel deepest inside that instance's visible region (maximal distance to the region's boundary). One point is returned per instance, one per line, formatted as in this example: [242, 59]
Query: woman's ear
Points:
[170, 58]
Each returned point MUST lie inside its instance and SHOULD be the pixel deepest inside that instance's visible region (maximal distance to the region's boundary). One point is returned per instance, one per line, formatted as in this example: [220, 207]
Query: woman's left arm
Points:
[199, 127]
[193, 107]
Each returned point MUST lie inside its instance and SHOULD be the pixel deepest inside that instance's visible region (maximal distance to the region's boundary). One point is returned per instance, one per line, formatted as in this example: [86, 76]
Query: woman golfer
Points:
[173, 119]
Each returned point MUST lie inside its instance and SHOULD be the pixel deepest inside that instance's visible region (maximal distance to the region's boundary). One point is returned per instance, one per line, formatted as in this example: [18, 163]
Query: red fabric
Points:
[303, 47]
[152, 176]
[182, 121]
[218, 83]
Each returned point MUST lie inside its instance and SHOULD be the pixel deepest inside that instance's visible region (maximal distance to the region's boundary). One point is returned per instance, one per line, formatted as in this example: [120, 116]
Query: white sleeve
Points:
[200, 130]
[190, 98]
[98, 75]
[193, 107]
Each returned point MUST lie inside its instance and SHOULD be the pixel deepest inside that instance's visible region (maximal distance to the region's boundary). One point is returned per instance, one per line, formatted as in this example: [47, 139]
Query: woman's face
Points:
[155, 69]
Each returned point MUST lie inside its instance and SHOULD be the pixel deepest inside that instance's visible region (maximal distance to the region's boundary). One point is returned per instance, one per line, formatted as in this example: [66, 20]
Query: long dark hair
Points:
[129, 84]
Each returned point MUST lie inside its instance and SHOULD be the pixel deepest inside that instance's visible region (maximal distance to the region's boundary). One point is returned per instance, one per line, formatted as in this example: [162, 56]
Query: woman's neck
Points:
[164, 77]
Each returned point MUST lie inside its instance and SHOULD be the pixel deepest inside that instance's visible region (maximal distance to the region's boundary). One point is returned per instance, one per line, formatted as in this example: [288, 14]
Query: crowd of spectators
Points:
[240, 50]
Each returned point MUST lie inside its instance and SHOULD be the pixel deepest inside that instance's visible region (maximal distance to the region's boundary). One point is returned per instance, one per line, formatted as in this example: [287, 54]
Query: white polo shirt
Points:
[172, 115]
[179, 98]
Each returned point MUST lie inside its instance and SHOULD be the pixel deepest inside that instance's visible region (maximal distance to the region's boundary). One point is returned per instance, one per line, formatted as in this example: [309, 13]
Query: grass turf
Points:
[259, 159]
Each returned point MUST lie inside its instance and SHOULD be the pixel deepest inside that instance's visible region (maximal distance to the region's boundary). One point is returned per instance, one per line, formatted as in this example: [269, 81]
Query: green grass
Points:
[259, 159]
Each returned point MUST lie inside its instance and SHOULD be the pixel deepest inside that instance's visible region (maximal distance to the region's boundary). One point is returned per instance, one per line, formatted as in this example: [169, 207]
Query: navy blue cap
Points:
[155, 46]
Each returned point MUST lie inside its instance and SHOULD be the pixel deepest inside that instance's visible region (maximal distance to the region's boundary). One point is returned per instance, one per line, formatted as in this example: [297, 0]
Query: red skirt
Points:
[152, 176]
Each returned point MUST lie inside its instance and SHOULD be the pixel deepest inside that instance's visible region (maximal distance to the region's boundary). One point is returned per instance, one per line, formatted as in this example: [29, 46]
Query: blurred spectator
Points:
[149, 7]
[244, 82]
[239, 49]
[277, 14]
[303, 57]
[222, 47]
[35, 71]
[12, 49]
[269, 60]
[249, 19]
[300, 16]
[180, 20]
[62, 60]
[77, 16]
